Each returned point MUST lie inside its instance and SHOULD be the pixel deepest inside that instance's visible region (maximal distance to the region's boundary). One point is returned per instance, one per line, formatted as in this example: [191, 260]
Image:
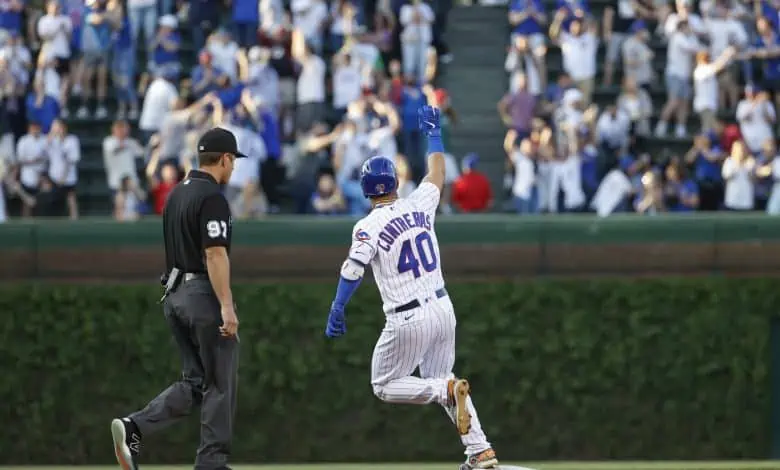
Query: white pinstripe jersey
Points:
[399, 242]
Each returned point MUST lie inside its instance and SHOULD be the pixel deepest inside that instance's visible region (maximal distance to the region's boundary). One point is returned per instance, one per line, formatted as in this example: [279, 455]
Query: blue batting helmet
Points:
[377, 177]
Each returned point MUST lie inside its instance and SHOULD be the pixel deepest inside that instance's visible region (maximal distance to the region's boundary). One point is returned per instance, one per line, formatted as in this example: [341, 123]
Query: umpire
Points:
[199, 309]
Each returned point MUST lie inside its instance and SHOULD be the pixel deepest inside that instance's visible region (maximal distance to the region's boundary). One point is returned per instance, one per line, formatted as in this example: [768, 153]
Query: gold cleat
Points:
[485, 459]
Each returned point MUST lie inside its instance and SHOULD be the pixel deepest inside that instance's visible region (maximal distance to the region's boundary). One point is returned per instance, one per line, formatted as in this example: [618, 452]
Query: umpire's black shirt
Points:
[196, 217]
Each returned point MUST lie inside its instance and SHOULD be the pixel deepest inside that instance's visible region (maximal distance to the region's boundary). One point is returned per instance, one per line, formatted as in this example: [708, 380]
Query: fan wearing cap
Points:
[198, 305]
[165, 46]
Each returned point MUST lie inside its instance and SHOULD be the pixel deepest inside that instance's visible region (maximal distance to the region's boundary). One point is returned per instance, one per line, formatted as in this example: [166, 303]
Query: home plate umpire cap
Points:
[219, 140]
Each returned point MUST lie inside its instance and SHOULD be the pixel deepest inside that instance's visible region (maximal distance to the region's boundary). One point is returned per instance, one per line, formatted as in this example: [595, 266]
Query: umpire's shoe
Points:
[458, 393]
[127, 443]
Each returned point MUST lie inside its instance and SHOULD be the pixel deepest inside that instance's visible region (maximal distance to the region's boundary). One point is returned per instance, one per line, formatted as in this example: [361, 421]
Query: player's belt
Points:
[196, 277]
[416, 303]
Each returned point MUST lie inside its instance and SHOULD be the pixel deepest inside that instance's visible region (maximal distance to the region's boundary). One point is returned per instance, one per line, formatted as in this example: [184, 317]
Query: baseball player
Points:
[398, 240]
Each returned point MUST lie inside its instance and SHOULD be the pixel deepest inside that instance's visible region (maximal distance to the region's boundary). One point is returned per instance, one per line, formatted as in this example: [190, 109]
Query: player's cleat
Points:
[485, 459]
[127, 443]
[458, 393]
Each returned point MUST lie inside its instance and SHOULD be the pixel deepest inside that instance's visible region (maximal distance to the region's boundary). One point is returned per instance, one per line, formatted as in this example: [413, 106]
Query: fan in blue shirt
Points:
[681, 193]
[205, 76]
[123, 70]
[527, 17]
[246, 18]
[95, 33]
[166, 44]
[11, 15]
[41, 107]
[767, 49]
[706, 159]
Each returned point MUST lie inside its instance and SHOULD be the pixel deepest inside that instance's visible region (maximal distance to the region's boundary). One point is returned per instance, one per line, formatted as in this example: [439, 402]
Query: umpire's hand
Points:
[229, 321]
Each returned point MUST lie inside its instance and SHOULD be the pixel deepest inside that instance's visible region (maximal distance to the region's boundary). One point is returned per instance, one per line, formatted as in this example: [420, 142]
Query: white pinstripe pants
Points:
[423, 337]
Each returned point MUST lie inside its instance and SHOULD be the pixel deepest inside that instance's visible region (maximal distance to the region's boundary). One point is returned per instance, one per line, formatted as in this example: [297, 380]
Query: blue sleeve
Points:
[344, 292]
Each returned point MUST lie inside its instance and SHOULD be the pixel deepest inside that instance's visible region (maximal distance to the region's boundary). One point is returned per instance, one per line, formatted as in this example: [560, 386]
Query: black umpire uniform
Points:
[196, 217]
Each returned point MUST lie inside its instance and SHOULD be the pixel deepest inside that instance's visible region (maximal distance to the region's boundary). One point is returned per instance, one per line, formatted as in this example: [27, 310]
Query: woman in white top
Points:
[756, 117]
[417, 20]
[64, 151]
[522, 61]
[346, 81]
[739, 174]
[520, 158]
[55, 29]
[705, 86]
[636, 103]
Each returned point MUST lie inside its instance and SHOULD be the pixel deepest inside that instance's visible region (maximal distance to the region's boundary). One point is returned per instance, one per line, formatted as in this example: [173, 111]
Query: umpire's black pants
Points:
[209, 374]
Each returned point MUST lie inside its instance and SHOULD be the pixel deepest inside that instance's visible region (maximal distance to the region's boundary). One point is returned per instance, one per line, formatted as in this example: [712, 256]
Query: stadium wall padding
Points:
[661, 369]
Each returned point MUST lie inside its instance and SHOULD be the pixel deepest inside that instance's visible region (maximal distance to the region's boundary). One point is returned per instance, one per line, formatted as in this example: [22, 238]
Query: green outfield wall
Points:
[461, 229]
[610, 369]
[487, 245]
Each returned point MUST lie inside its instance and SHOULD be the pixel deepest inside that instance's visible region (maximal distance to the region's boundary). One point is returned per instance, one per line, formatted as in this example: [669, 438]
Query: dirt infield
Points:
[460, 261]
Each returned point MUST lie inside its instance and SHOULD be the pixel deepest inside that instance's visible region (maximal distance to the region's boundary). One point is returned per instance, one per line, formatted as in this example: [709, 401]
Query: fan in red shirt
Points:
[161, 188]
[471, 192]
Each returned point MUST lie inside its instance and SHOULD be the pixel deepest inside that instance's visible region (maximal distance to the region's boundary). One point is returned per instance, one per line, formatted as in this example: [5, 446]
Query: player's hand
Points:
[229, 321]
[337, 324]
[429, 120]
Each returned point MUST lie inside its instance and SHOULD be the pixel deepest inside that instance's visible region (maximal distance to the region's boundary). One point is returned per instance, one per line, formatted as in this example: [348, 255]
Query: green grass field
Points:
[767, 465]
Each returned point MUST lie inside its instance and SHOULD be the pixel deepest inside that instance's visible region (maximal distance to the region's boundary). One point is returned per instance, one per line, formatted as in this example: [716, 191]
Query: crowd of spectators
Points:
[311, 88]
[564, 153]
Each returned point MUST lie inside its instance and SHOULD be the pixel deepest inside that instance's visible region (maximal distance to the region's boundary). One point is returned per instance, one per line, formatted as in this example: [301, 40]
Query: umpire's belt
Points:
[195, 277]
[416, 303]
